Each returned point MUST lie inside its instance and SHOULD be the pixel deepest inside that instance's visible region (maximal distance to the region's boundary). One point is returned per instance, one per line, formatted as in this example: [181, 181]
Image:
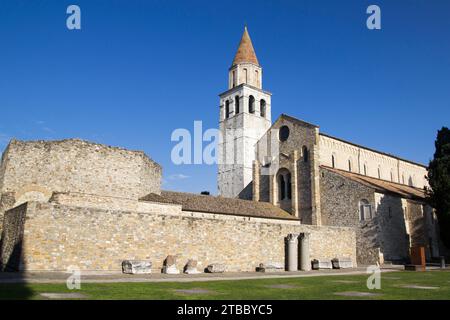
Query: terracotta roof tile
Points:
[245, 52]
[382, 185]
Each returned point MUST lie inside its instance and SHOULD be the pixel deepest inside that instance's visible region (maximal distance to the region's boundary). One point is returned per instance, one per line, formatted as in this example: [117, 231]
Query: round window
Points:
[283, 134]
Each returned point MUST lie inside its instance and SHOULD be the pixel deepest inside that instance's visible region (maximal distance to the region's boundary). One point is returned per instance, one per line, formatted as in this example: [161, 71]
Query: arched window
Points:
[257, 78]
[234, 78]
[332, 161]
[262, 104]
[288, 186]
[246, 75]
[305, 154]
[411, 181]
[236, 103]
[251, 104]
[365, 170]
[284, 185]
[227, 109]
[281, 187]
[349, 165]
[392, 177]
[283, 133]
[365, 210]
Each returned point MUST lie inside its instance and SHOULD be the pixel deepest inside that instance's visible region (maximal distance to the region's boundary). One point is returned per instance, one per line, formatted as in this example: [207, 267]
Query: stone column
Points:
[305, 260]
[292, 252]
[273, 189]
[256, 180]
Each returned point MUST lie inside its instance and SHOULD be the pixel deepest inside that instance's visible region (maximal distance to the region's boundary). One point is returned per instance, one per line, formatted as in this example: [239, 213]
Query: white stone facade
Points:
[245, 116]
[350, 157]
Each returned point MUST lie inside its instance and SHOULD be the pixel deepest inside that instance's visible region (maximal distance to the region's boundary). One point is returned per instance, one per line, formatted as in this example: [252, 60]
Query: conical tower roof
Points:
[245, 52]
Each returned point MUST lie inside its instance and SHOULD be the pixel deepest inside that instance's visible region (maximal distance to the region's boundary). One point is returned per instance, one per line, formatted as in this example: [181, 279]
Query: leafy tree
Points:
[438, 194]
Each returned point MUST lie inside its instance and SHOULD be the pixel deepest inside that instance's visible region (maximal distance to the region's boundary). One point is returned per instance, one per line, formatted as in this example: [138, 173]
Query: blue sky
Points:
[137, 70]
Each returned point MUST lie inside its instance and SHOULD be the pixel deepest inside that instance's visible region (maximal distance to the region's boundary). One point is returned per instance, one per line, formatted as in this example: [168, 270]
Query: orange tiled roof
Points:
[245, 52]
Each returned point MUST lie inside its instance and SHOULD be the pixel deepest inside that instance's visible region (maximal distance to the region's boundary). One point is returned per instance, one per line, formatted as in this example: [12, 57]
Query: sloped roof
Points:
[245, 52]
[220, 205]
[382, 186]
[296, 120]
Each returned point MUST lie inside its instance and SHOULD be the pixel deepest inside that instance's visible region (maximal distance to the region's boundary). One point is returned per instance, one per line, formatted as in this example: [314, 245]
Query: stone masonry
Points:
[60, 233]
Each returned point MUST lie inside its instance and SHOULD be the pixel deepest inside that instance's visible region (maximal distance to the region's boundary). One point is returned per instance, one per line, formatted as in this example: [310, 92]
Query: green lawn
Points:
[322, 287]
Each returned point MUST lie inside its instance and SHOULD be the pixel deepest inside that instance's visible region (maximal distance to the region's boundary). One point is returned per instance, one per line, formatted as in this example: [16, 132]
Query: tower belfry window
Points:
[236, 104]
[227, 109]
[263, 108]
[251, 104]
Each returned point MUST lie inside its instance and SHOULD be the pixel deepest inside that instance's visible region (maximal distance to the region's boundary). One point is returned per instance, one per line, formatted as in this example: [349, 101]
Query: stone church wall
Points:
[403, 224]
[57, 235]
[396, 224]
[402, 171]
[340, 199]
[393, 236]
[301, 135]
[76, 166]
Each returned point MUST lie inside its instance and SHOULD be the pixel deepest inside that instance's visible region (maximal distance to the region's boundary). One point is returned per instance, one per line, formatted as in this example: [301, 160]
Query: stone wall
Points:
[394, 236]
[57, 235]
[403, 224]
[11, 243]
[35, 169]
[340, 199]
[396, 224]
[297, 155]
[7, 201]
[401, 171]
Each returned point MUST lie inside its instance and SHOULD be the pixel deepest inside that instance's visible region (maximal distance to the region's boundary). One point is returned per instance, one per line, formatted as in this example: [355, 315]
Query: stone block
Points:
[321, 264]
[216, 268]
[137, 266]
[170, 266]
[342, 263]
[191, 267]
[270, 267]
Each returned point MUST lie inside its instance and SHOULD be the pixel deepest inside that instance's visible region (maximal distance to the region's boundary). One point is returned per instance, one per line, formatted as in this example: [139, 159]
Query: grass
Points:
[322, 287]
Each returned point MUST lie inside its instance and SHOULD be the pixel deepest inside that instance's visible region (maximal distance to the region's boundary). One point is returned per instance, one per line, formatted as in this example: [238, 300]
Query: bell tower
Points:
[245, 115]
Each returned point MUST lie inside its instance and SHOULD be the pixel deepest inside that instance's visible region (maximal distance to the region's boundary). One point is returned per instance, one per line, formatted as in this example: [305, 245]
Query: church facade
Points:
[318, 178]
[73, 203]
